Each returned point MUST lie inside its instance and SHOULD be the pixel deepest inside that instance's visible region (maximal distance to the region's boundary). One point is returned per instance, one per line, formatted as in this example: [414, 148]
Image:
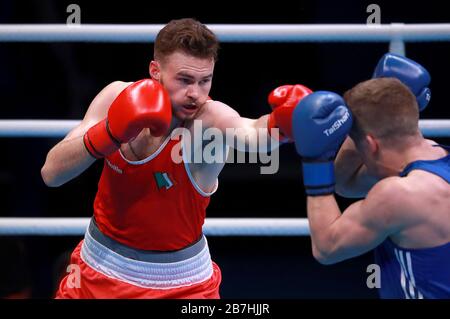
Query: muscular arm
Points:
[352, 178]
[69, 158]
[242, 133]
[363, 225]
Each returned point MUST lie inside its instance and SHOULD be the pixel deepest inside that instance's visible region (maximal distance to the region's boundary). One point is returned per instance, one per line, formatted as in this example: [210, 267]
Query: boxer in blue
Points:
[404, 179]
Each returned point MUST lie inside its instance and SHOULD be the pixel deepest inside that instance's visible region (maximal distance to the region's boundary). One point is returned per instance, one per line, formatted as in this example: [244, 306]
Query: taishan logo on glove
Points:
[336, 125]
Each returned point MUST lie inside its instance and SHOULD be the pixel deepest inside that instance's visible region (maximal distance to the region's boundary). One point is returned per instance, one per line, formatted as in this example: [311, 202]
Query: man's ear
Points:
[373, 144]
[155, 70]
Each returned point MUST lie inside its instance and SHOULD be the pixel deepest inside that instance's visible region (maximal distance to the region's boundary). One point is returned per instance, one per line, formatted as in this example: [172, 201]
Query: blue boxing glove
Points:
[320, 123]
[411, 73]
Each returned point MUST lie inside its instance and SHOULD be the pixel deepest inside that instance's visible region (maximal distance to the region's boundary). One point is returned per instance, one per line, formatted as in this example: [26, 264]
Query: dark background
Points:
[58, 81]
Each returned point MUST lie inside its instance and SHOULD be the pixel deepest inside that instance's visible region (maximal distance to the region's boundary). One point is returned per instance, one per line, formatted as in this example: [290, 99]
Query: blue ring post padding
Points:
[319, 175]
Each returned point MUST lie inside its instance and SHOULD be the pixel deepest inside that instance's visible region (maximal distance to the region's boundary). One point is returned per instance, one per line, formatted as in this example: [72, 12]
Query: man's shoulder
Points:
[213, 110]
[113, 89]
[401, 189]
[402, 196]
[387, 187]
[390, 203]
[214, 106]
[118, 85]
[391, 194]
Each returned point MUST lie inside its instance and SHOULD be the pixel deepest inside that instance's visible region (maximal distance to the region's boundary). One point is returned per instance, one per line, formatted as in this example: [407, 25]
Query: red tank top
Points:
[152, 204]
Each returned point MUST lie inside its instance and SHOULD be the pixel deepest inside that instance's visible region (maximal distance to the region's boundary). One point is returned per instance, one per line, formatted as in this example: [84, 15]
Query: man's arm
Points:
[352, 178]
[363, 225]
[242, 133]
[69, 158]
[262, 134]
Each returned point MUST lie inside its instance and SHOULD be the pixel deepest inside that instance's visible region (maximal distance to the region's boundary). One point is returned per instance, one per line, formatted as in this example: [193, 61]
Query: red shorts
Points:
[92, 284]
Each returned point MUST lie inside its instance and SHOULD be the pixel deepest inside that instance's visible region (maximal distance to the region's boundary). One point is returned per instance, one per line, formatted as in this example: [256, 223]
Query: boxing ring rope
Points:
[396, 34]
[59, 128]
[228, 32]
[212, 227]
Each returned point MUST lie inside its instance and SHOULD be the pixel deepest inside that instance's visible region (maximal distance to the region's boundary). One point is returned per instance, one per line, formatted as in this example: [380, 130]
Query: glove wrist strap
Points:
[318, 177]
[99, 141]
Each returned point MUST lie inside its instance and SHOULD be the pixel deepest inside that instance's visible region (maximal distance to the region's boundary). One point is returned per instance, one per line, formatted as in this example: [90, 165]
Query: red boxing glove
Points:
[283, 100]
[144, 103]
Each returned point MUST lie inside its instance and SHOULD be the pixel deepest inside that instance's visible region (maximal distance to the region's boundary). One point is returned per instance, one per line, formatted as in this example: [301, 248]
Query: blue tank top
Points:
[416, 273]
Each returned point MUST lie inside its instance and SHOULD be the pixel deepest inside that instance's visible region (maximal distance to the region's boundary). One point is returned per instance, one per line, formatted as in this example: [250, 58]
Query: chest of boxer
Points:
[152, 202]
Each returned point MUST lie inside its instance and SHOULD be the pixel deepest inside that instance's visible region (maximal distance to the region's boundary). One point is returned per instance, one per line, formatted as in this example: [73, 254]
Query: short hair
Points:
[384, 107]
[187, 35]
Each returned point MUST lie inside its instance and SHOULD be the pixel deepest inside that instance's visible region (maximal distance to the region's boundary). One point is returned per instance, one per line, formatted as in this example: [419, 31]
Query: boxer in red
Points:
[145, 239]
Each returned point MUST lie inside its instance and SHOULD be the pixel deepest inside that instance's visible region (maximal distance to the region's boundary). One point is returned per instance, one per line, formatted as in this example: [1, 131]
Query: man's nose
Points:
[192, 92]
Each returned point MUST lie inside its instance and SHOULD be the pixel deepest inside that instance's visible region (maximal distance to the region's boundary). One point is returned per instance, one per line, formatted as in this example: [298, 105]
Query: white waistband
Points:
[146, 274]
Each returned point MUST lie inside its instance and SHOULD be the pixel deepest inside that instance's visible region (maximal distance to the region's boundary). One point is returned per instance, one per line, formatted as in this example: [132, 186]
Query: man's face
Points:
[188, 80]
[370, 153]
